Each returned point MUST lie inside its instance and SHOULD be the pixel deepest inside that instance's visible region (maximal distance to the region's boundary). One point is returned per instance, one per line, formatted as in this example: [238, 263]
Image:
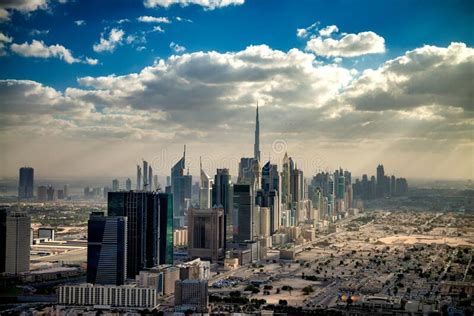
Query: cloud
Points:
[22, 6]
[4, 39]
[158, 29]
[80, 22]
[38, 49]
[421, 77]
[153, 19]
[177, 48]
[350, 45]
[180, 19]
[109, 44]
[305, 32]
[207, 4]
[92, 61]
[36, 32]
[418, 104]
[328, 30]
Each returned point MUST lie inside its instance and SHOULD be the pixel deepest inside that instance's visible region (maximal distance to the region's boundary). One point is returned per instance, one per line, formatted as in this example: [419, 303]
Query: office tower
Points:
[106, 249]
[256, 146]
[270, 177]
[181, 185]
[139, 178]
[341, 185]
[168, 181]
[393, 185]
[50, 193]
[222, 198]
[205, 189]
[349, 198]
[401, 186]
[14, 242]
[60, 194]
[150, 178]
[243, 200]
[66, 191]
[149, 227]
[115, 185]
[206, 234]
[265, 222]
[128, 184]
[145, 176]
[245, 171]
[165, 247]
[26, 183]
[285, 182]
[380, 186]
[191, 295]
[373, 187]
[155, 183]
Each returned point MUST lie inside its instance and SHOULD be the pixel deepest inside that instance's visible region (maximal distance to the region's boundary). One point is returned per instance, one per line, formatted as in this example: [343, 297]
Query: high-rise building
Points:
[150, 179]
[41, 193]
[50, 193]
[139, 177]
[149, 227]
[128, 184]
[206, 233]
[246, 175]
[181, 186]
[205, 189]
[285, 182]
[222, 198]
[66, 191]
[243, 200]
[14, 242]
[26, 183]
[191, 295]
[155, 183]
[256, 146]
[380, 191]
[145, 185]
[106, 249]
[115, 185]
[265, 222]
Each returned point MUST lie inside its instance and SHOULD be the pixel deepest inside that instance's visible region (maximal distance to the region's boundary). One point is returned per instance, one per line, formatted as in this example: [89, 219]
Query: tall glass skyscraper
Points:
[106, 249]
[26, 186]
[243, 205]
[149, 227]
[222, 198]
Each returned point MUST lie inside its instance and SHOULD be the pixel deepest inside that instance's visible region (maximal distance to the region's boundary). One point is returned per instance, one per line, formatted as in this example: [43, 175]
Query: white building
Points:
[108, 296]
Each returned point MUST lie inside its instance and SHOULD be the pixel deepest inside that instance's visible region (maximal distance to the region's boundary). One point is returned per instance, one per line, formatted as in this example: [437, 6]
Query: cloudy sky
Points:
[89, 88]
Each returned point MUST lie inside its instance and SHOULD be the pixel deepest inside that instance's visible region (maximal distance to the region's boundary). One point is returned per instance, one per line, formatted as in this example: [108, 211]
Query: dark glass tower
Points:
[243, 206]
[149, 227]
[222, 198]
[106, 249]
[26, 185]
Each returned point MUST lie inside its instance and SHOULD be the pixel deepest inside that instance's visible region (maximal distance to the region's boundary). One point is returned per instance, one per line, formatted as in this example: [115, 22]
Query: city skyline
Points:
[145, 78]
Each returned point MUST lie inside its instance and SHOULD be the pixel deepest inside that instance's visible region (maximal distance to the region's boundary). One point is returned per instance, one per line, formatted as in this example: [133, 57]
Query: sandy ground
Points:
[424, 239]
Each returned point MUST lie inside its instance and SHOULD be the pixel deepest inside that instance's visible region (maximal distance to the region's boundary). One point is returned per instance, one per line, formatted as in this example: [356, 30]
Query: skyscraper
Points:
[106, 249]
[145, 176]
[150, 179]
[115, 185]
[180, 186]
[26, 183]
[149, 227]
[206, 233]
[256, 146]
[243, 200]
[14, 241]
[139, 178]
[128, 184]
[380, 191]
[285, 182]
[222, 198]
[205, 189]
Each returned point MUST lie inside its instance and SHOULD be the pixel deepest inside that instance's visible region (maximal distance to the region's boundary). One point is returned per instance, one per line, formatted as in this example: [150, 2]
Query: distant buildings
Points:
[206, 234]
[14, 242]
[205, 189]
[106, 249]
[115, 185]
[26, 183]
[128, 184]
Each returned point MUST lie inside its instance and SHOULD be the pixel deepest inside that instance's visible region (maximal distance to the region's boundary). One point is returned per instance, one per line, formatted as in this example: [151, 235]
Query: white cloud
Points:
[4, 39]
[207, 4]
[180, 19]
[91, 61]
[328, 30]
[36, 32]
[80, 22]
[23, 6]
[350, 45]
[153, 19]
[108, 44]
[305, 32]
[177, 48]
[4, 15]
[40, 50]
[158, 29]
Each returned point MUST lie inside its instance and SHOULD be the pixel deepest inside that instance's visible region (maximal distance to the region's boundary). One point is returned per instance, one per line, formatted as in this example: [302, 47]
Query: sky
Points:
[90, 88]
